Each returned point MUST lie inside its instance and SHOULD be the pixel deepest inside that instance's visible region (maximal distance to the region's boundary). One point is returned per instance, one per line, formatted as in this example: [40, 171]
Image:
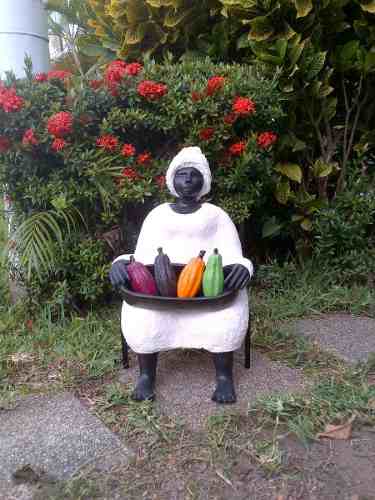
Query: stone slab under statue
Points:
[182, 229]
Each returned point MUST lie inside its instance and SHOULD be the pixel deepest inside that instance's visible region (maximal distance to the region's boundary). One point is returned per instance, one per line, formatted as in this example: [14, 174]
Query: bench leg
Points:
[125, 352]
[248, 346]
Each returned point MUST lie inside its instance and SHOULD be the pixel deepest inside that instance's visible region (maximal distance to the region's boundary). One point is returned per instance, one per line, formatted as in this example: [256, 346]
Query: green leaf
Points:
[173, 19]
[348, 54]
[329, 108]
[322, 169]
[290, 170]
[316, 65]
[295, 49]
[92, 49]
[303, 7]
[271, 228]
[306, 224]
[136, 12]
[282, 192]
[370, 62]
[134, 35]
[299, 145]
[369, 6]
[261, 28]
[59, 202]
[243, 41]
[265, 53]
[40, 238]
[281, 46]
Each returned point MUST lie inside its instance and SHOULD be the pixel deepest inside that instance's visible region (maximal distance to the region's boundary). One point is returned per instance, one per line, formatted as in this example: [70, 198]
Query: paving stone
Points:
[186, 381]
[351, 338]
[54, 434]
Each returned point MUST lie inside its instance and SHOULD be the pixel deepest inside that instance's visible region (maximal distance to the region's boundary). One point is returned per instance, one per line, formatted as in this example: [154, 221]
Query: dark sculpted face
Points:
[188, 182]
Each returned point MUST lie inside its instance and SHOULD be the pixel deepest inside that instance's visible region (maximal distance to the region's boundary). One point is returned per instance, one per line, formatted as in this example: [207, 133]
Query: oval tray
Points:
[159, 302]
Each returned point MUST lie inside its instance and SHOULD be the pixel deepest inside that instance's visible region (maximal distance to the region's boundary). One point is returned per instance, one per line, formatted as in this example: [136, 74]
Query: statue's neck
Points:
[186, 206]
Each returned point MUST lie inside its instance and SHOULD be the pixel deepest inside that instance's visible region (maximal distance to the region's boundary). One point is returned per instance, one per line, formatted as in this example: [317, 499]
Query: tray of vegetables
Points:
[166, 284]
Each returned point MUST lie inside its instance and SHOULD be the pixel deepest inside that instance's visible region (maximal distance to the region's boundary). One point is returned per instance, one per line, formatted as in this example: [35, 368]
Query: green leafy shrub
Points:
[324, 54]
[344, 236]
[85, 266]
[137, 27]
[76, 155]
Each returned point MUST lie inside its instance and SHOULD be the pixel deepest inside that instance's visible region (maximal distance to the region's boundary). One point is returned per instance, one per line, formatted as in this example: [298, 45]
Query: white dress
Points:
[182, 236]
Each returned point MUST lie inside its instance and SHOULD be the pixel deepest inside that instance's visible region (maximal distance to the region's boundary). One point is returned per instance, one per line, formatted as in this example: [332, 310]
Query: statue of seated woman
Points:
[182, 229]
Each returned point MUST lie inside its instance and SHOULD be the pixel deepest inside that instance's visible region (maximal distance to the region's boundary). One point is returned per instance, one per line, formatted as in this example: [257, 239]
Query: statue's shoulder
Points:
[155, 214]
[216, 211]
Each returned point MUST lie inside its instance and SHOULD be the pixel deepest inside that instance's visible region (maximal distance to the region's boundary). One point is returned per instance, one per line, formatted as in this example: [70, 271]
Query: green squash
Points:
[213, 277]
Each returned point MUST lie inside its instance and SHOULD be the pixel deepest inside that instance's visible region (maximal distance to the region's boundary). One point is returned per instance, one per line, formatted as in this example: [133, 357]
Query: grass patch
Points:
[283, 293]
[132, 419]
[58, 355]
[332, 400]
[286, 291]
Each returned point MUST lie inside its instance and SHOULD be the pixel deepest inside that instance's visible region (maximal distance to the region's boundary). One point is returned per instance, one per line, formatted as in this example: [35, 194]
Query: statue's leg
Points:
[224, 392]
[147, 372]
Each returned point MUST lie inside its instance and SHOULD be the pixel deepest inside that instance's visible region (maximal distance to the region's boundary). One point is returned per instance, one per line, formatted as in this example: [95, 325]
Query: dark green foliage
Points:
[85, 266]
[344, 236]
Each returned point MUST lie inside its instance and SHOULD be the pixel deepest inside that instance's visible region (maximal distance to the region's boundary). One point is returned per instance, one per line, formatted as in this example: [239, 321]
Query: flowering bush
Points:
[60, 124]
[103, 146]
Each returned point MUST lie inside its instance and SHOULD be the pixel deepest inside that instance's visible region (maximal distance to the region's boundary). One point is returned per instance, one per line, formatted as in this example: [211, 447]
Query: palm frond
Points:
[40, 239]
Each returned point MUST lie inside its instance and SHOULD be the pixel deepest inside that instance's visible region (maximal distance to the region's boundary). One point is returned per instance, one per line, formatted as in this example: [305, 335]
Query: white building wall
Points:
[23, 30]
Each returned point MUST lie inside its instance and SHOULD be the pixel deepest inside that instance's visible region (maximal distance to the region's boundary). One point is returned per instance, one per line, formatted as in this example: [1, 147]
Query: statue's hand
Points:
[238, 277]
[118, 273]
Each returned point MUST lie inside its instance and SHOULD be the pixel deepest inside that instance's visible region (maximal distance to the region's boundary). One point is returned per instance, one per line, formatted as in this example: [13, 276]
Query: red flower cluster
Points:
[214, 84]
[41, 77]
[128, 150]
[151, 90]
[266, 139]
[237, 148]
[206, 133]
[243, 106]
[114, 73]
[108, 142]
[143, 158]
[160, 181]
[130, 173]
[95, 84]
[58, 74]
[58, 144]
[133, 69]
[60, 124]
[29, 138]
[4, 144]
[9, 100]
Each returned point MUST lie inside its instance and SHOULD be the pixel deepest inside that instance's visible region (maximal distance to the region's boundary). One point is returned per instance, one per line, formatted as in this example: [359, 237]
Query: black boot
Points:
[224, 392]
[147, 372]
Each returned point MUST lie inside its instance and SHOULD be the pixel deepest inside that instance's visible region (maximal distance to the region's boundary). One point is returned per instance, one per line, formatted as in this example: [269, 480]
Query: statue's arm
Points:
[238, 269]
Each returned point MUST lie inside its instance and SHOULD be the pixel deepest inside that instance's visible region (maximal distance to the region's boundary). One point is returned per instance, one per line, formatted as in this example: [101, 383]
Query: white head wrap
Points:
[190, 157]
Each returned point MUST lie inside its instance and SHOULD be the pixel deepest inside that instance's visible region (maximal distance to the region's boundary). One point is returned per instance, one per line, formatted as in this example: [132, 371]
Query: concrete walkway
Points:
[51, 437]
[186, 381]
[351, 338]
